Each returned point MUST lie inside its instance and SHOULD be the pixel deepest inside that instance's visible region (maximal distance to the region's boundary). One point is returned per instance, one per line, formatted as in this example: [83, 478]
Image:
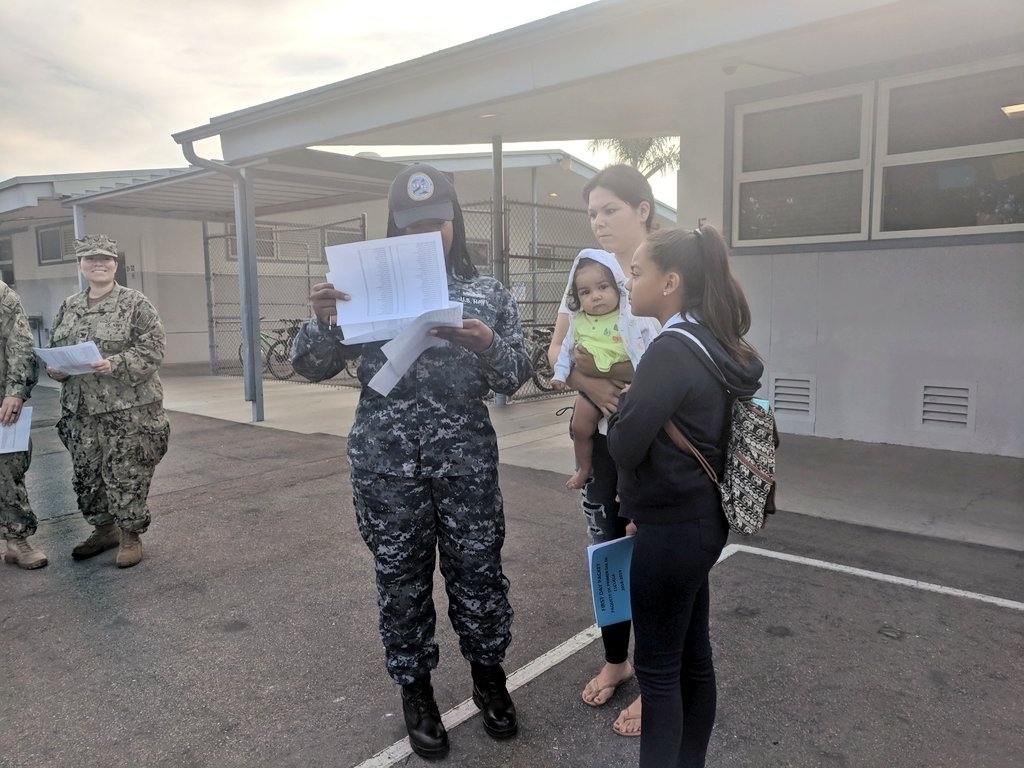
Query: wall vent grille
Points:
[947, 406]
[793, 397]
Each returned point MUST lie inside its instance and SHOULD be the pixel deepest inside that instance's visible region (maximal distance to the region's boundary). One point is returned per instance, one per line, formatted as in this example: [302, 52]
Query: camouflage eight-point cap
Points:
[95, 245]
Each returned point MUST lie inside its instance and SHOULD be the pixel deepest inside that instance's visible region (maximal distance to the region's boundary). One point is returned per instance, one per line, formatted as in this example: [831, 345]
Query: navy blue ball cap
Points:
[421, 192]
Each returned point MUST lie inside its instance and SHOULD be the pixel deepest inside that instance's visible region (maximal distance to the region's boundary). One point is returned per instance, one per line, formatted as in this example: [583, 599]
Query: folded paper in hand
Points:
[411, 342]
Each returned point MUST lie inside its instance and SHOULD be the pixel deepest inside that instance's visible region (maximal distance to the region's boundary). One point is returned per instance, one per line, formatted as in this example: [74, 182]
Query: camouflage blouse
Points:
[434, 423]
[128, 332]
[18, 365]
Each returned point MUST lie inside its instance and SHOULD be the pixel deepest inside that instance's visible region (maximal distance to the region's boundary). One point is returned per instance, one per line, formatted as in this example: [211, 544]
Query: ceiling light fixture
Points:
[1014, 110]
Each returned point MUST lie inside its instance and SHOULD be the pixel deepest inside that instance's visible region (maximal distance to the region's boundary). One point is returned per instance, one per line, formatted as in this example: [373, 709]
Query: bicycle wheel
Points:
[542, 371]
[279, 361]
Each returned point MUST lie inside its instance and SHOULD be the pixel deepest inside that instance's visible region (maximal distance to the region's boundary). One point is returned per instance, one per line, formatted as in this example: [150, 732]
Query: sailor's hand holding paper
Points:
[10, 409]
[103, 367]
[474, 335]
[324, 299]
[55, 374]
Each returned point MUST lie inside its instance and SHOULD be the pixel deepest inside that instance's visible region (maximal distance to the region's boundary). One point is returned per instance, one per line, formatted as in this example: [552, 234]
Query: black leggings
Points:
[672, 656]
[604, 524]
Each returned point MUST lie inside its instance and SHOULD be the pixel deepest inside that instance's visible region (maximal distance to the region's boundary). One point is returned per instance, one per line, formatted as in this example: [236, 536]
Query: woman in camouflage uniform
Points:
[112, 421]
[18, 371]
[424, 469]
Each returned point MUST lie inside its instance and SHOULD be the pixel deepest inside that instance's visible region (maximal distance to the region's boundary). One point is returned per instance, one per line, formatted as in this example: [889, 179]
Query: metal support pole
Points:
[498, 230]
[211, 326]
[248, 290]
[497, 214]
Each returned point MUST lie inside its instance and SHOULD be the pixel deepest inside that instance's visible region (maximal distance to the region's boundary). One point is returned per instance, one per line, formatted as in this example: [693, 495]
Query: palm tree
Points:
[650, 156]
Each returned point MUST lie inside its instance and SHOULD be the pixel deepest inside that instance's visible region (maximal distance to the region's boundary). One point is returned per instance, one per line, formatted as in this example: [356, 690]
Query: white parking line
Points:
[462, 712]
[732, 549]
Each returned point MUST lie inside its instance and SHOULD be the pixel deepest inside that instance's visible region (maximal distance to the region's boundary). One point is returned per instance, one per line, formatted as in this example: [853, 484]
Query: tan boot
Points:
[102, 538]
[24, 555]
[130, 552]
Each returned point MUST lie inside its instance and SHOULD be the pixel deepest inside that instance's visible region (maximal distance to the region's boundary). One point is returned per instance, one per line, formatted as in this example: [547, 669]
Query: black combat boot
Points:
[491, 695]
[427, 735]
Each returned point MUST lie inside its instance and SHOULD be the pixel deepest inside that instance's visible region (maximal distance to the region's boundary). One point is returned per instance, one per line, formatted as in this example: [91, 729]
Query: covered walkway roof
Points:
[289, 181]
[616, 68]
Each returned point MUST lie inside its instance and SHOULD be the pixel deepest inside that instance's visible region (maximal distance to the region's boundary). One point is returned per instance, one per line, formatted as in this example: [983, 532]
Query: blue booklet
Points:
[609, 580]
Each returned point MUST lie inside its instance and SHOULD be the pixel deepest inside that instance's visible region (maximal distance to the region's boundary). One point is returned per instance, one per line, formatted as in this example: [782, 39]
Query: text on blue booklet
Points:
[609, 580]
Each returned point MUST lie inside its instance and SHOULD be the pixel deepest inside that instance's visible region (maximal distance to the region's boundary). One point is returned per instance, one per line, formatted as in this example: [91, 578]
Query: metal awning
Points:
[291, 181]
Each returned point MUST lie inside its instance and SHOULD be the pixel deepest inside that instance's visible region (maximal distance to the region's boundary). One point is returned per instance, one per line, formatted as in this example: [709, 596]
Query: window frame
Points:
[884, 160]
[861, 163]
[7, 263]
[64, 229]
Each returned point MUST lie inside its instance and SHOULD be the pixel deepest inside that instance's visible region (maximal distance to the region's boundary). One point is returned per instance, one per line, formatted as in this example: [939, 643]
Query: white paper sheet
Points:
[408, 345]
[15, 437]
[391, 279]
[73, 360]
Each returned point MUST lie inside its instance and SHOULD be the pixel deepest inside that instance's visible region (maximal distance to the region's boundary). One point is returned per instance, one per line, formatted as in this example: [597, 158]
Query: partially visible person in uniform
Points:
[425, 469]
[18, 373]
[112, 420]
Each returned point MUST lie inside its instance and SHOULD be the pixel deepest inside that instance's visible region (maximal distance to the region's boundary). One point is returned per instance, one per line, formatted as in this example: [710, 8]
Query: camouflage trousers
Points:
[113, 456]
[16, 516]
[404, 521]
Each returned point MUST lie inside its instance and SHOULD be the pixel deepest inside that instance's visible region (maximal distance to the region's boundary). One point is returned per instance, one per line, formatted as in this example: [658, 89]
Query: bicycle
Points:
[276, 348]
[538, 338]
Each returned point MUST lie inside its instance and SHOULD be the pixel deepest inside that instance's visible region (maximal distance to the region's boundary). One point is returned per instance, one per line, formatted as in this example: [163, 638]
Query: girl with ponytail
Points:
[683, 279]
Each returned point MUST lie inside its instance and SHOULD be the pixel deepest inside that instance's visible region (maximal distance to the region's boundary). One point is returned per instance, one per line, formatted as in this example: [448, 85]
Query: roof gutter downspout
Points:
[248, 284]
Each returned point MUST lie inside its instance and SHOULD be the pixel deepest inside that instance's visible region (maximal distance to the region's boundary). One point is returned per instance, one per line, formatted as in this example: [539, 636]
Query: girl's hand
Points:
[323, 300]
[474, 335]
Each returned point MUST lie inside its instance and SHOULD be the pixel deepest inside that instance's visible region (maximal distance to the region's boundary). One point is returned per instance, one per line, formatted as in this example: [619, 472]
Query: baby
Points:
[593, 299]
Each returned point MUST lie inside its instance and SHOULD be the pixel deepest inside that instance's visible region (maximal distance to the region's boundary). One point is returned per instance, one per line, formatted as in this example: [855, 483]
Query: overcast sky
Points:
[100, 85]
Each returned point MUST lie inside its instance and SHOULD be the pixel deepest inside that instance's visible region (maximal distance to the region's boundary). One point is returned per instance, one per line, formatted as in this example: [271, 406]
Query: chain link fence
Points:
[289, 261]
[541, 242]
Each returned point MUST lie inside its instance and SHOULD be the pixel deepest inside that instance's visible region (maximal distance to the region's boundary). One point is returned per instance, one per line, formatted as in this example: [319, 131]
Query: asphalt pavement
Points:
[247, 636]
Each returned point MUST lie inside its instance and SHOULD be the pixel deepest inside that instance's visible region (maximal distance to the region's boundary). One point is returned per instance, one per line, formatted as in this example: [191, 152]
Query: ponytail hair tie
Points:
[698, 233]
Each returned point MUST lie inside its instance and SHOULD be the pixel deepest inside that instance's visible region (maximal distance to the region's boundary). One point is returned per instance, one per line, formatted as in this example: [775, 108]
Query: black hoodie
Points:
[659, 483]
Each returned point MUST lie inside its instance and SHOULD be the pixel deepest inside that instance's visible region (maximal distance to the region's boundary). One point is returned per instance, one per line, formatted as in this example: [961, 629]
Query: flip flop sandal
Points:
[626, 722]
[600, 698]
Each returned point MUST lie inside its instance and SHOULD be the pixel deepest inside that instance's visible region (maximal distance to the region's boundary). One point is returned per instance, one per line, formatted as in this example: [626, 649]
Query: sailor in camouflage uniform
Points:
[425, 469]
[18, 374]
[112, 421]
